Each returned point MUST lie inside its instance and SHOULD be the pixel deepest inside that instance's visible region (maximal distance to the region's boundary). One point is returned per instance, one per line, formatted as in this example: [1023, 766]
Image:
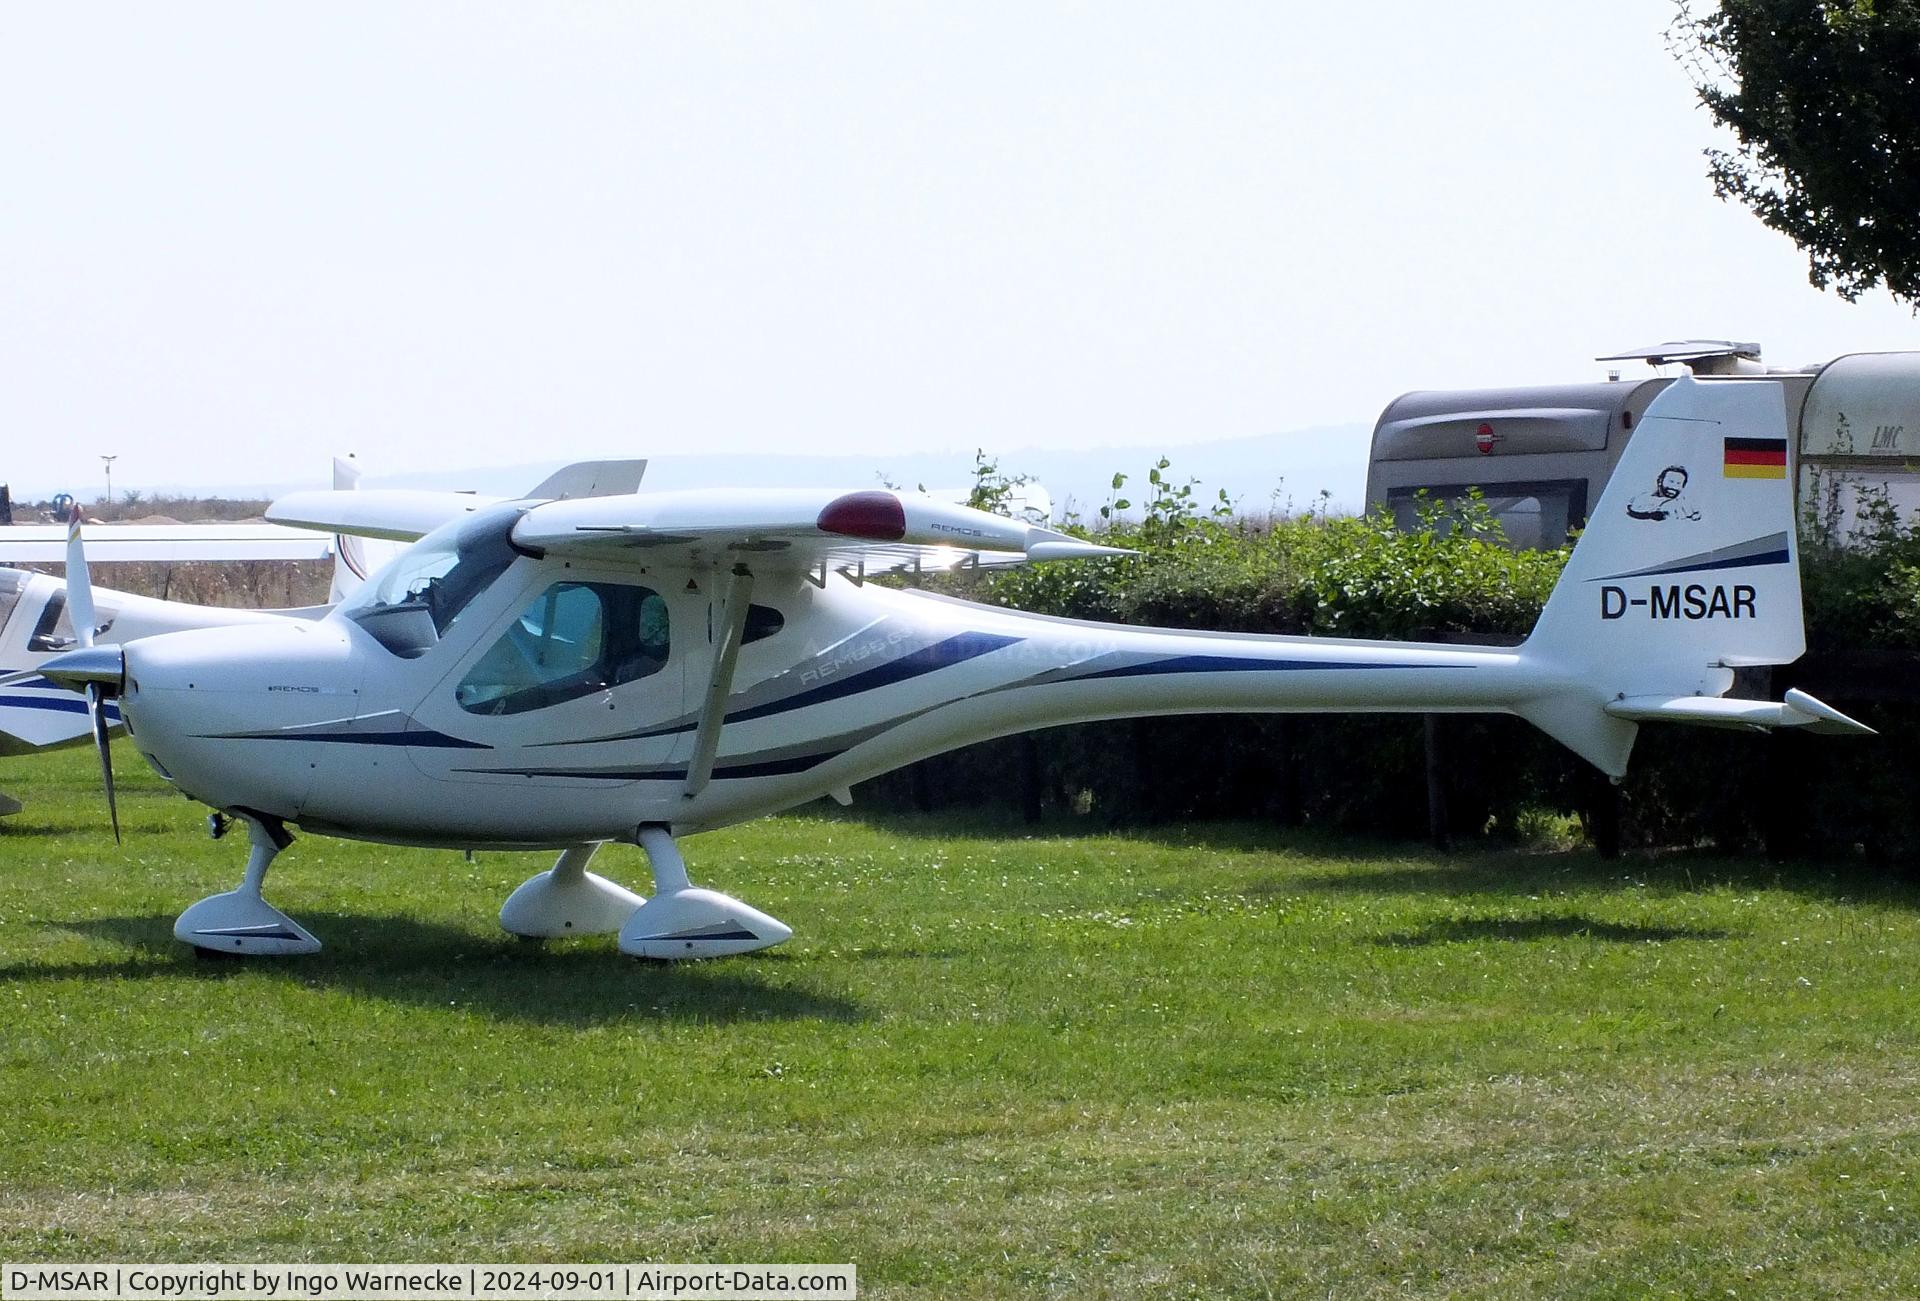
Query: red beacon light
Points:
[876, 516]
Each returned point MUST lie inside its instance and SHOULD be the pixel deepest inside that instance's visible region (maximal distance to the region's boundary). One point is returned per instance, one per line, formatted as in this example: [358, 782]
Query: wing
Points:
[394, 514]
[409, 514]
[24, 544]
[797, 530]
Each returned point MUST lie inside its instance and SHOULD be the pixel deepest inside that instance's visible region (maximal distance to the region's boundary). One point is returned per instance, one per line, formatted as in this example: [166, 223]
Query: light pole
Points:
[109, 460]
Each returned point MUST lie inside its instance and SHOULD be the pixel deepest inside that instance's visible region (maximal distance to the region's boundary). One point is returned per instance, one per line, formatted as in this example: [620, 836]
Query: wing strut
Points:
[726, 650]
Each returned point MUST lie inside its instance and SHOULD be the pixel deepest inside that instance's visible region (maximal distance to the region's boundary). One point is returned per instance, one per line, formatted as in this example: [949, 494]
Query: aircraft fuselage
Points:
[324, 724]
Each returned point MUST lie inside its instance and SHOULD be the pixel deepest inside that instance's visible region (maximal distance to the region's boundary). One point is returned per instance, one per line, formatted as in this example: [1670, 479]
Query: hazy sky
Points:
[236, 238]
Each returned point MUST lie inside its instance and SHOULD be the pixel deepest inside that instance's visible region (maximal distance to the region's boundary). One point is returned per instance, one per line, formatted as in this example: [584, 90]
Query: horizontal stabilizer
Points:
[1798, 710]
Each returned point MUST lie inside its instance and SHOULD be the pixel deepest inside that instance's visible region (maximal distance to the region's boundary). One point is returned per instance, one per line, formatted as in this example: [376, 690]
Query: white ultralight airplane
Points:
[637, 668]
[36, 622]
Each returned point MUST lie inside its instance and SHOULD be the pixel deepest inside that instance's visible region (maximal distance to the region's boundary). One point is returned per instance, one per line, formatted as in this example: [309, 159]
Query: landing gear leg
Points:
[683, 921]
[240, 921]
[568, 900]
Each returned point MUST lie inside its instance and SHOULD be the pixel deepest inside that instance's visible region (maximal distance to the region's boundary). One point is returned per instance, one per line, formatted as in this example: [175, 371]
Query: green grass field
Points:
[1208, 1061]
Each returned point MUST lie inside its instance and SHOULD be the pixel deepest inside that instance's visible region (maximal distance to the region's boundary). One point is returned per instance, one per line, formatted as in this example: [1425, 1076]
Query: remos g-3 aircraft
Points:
[640, 667]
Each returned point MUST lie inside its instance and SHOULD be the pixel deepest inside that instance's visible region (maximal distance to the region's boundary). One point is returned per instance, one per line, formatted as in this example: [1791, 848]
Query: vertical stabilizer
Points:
[1688, 567]
[350, 566]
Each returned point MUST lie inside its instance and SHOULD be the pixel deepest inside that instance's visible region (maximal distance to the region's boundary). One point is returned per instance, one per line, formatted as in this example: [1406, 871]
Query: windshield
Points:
[435, 579]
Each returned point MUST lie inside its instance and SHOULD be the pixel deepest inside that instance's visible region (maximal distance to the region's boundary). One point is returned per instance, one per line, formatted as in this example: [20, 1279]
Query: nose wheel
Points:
[241, 921]
[568, 900]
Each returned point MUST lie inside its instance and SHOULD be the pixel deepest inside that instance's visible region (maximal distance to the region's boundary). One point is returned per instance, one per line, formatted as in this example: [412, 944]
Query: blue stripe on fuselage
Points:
[422, 740]
[1241, 664]
[722, 772]
[928, 659]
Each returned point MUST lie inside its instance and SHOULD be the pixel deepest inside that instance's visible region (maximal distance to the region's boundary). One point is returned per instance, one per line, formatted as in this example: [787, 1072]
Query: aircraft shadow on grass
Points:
[14, 828]
[1229, 836]
[1510, 876]
[404, 960]
[1473, 930]
[1389, 867]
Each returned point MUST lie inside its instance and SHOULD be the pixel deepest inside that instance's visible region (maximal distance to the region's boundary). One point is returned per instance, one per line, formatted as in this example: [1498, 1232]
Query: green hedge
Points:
[1454, 578]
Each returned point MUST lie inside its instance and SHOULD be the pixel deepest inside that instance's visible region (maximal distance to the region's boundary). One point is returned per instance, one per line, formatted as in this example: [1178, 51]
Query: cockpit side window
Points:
[763, 621]
[12, 583]
[572, 640]
[45, 631]
[53, 630]
[410, 605]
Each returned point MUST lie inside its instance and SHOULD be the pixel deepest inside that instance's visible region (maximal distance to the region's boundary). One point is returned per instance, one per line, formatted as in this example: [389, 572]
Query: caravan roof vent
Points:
[1701, 356]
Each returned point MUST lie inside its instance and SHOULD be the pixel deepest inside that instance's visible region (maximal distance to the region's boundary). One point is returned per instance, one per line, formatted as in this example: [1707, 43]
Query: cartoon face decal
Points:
[1666, 500]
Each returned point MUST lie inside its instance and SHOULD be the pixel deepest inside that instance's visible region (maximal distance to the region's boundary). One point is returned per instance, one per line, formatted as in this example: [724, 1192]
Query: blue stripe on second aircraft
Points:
[54, 704]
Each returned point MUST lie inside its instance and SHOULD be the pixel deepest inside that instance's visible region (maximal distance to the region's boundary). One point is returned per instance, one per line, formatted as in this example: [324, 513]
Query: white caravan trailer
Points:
[1542, 454]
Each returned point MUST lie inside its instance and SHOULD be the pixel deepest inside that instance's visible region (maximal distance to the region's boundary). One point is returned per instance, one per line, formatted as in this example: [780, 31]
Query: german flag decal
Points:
[1756, 458]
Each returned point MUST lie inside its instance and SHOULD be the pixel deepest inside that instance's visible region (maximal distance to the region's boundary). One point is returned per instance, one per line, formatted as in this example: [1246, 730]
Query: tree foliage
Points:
[1824, 101]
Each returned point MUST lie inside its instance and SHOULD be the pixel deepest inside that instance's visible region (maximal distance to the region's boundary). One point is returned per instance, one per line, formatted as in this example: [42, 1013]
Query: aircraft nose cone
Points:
[224, 713]
[106, 665]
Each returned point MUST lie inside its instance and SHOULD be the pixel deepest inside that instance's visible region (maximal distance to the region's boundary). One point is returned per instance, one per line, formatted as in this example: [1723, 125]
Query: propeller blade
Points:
[79, 585]
[97, 715]
[99, 673]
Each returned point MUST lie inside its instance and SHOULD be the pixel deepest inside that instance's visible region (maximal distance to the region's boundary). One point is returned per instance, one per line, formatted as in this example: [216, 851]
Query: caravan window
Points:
[1534, 515]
